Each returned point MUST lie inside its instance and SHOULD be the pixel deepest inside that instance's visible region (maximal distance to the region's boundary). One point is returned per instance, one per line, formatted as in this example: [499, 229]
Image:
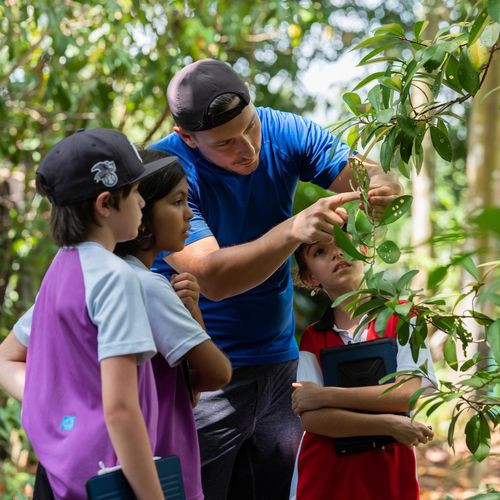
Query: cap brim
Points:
[154, 166]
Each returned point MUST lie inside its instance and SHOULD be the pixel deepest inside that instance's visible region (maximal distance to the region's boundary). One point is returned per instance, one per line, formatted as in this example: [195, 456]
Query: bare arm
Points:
[210, 368]
[126, 426]
[13, 366]
[335, 422]
[225, 272]
[310, 396]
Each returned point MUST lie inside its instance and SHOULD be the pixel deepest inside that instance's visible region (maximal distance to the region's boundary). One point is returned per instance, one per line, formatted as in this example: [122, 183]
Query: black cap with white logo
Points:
[89, 162]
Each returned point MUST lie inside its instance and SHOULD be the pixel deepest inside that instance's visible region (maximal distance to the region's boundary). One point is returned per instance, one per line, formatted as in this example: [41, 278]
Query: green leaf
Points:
[405, 146]
[467, 74]
[414, 397]
[407, 125]
[488, 219]
[403, 330]
[362, 223]
[450, 352]
[469, 265]
[406, 279]
[396, 209]
[473, 381]
[451, 431]
[369, 79]
[392, 28]
[352, 136]
[381, 321]
[451, 71]
[374, 40]
[477, 436]
[403, 309]
[433, 408]
[441, 143]
[369, 305]
[344, 242]
[494, 10]
[389, 252]
[385, 115]
[493, 337]
[352, 100]
[376, 51]
[477, 26]
[418, 27]
[350, 294]
[387, 150]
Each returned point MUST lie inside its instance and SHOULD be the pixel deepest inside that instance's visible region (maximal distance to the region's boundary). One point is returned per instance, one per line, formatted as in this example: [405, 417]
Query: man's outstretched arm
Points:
[229, 271]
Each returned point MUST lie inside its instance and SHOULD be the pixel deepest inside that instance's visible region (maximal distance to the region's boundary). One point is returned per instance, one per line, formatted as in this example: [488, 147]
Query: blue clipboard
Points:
[114, 486]
[359, 365]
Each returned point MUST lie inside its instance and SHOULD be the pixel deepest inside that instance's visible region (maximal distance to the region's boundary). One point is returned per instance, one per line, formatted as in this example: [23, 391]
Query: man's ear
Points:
[186, 137]
[101, 204]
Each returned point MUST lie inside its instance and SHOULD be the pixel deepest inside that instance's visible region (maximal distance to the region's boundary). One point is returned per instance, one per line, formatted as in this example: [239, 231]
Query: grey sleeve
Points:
[22, 328]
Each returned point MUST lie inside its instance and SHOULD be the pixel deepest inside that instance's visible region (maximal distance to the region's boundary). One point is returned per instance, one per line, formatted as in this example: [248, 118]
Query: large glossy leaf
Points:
[389, 252]
[353, 101]
[467, 74]
[441, 143]
[450, 353]
[344, 242]
[396, 209]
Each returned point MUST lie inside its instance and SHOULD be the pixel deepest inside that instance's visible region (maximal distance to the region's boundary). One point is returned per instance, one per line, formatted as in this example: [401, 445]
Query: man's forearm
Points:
[233, 270]
[224, 272]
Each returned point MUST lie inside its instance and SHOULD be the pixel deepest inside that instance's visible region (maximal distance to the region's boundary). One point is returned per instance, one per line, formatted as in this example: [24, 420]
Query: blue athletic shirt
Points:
[255, 327]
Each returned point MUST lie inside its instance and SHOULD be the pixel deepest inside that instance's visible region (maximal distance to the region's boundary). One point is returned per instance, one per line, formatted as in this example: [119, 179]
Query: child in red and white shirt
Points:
[388, 473]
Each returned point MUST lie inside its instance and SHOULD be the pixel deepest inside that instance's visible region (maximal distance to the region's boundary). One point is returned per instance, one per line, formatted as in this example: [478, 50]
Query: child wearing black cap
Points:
[89, 393]
[385, 471]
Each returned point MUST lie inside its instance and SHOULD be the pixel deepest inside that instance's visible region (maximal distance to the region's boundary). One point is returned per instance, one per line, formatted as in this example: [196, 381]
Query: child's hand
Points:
[408, 432]
[187, 288]
[306, 396]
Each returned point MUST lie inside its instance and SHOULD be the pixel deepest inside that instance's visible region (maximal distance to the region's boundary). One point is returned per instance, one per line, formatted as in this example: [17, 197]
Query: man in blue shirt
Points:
[243, 165]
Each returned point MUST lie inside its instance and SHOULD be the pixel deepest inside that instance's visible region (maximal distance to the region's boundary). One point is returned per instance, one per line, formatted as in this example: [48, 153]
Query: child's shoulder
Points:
[100, 266]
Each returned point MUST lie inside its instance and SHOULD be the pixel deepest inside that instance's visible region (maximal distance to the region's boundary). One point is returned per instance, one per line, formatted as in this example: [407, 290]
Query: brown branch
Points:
[158, 124]
[21, 61]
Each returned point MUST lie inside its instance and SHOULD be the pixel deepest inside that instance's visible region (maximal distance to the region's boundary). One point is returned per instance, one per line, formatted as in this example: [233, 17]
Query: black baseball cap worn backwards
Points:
[89, 162]
[193, 89]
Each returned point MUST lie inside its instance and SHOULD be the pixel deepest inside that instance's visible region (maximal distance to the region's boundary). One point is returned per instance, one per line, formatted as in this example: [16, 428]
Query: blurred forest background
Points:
[66, 64]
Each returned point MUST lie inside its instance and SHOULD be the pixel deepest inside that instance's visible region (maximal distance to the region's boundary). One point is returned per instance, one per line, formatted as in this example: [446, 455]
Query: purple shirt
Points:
[90, 307]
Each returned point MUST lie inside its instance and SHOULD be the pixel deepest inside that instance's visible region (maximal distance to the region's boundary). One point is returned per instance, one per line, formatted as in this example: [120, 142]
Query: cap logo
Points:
[105, 172]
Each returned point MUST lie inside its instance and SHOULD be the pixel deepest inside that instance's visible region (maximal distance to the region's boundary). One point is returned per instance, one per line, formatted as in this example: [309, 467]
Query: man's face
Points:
[233, 146]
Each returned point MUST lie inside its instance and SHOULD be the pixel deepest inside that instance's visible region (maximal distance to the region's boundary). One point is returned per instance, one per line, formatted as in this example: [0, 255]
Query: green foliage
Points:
[448, 70]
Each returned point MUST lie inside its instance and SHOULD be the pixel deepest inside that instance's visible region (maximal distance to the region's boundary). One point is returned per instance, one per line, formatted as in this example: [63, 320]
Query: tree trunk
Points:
[483, 176]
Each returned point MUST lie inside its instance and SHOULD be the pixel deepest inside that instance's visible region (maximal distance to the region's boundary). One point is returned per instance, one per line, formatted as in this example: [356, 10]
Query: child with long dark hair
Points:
[175, 319]
[386, 473]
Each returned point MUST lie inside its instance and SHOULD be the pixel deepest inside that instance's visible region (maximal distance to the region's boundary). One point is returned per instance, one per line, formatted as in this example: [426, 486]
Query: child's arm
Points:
[334, 422]
[310, 396]
[210, 368]
[13, 366]
[126, 426]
